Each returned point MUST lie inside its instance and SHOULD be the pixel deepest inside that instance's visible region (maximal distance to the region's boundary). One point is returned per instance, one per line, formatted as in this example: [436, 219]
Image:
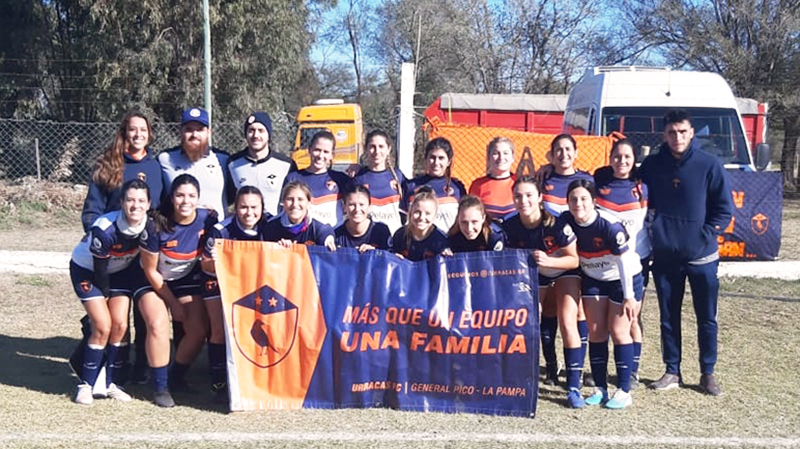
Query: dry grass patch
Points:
[759, 348]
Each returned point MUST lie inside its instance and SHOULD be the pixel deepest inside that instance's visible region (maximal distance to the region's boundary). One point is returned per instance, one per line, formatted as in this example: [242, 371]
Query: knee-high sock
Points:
[598, 359]
[572, 358]
[548, 329]
[216, 363]
[637, 354]
[92, 357]
[116, 356]
[583, 331]
[160, 377]
[623, 358]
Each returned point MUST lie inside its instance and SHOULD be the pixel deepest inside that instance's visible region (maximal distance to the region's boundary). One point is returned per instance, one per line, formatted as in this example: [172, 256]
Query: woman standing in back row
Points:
[495, 189]
[448, 190]
[623, 195]
[562, 307]
[386, 184]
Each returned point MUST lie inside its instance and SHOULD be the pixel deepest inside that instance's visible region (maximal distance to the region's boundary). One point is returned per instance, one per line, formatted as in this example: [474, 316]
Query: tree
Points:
[97, 59]
[752, 44]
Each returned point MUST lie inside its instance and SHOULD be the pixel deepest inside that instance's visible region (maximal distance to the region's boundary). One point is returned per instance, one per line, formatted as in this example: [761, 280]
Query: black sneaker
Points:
[220, 392]
[634, 380]
[163, 399]
[551, 377]
[708, 383]
[667, 382]
[588, 380]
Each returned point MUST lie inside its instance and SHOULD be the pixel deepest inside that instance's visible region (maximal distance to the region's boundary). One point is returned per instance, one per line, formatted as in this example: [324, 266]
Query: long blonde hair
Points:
[424, 193]
[109, 167]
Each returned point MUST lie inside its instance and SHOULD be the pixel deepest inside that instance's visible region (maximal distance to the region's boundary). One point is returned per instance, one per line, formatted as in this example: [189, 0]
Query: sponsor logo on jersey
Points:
[211, 285]
[171, 244]
[96, 243]
[549, 187]
[116, 246]
[620, 238]
[271, 178]
[142, 176]
[568, 230]
[759, 224]
[605, 192]
[86, 286]
[549, 241]
[597, 242]
[450, 190]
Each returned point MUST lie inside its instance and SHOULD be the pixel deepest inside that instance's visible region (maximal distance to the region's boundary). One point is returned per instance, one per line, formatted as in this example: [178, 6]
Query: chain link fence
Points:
[66, 152]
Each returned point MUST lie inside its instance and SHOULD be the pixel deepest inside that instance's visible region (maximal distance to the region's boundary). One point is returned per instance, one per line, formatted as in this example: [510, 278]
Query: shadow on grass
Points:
[42, 365]
[37, 364]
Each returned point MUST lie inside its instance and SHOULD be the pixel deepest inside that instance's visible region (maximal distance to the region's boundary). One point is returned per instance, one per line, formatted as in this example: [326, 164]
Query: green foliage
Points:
[91, 61]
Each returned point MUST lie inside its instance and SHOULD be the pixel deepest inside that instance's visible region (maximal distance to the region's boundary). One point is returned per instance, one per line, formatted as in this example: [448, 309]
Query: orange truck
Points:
[343, 120]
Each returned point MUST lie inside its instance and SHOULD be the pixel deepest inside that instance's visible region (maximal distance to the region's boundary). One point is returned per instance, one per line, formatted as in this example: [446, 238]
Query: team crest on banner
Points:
[273, 320]
[759, 224]
[264, 326]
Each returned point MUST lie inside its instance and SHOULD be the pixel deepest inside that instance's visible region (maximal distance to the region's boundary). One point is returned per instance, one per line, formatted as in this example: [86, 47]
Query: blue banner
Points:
[318, 329]
[755, 230]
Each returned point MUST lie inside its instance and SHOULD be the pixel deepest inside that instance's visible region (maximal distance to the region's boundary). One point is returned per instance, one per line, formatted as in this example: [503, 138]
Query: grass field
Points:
[759, 348]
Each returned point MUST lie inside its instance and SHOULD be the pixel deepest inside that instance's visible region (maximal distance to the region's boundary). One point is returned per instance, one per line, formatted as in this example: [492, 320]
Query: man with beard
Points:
[195, 157]
[257, 165]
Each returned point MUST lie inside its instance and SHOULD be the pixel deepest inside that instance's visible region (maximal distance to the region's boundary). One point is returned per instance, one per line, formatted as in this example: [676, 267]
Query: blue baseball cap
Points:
[198, 115]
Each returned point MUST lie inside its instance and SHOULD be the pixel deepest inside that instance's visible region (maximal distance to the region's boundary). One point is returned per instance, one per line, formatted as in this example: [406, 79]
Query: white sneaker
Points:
[115, 392]
[83, 395]
[620, 400]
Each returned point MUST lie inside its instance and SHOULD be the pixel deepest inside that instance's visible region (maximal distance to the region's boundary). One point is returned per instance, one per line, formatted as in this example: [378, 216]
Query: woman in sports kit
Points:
[386, 184]
[245, 224]
[611, 290]
[359, 230]
[448, 190]
[420, 238]
[494, 189]
[623, 195]
[170, 260]
[565, 297]
[473, 230]
[555, 253]
[295, 225]
[127, 157]
[326, 185]
[105, 274]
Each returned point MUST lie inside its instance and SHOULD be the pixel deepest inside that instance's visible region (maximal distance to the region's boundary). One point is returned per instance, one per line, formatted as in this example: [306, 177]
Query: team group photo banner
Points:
[310, 328]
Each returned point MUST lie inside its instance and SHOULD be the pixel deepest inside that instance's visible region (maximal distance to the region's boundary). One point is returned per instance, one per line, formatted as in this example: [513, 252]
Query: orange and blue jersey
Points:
[626, 199]
[497, 196]
[447, 196]
[106, 241]
[547, 239]
[309, 231]
[386, 194]
[377, 235]
[326, 194]
[494, 242]
[554, 191]
[179, 249]
[601, 242]
[416, 250]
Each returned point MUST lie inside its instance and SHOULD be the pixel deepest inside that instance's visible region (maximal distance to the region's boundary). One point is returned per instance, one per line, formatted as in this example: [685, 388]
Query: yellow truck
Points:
[343, 120]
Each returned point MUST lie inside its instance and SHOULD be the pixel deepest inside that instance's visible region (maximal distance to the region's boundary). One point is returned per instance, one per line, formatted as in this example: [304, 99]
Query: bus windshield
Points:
[718, 130]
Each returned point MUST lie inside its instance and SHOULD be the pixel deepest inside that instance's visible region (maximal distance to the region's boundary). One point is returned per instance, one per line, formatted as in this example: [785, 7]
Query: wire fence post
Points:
[38, 161]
